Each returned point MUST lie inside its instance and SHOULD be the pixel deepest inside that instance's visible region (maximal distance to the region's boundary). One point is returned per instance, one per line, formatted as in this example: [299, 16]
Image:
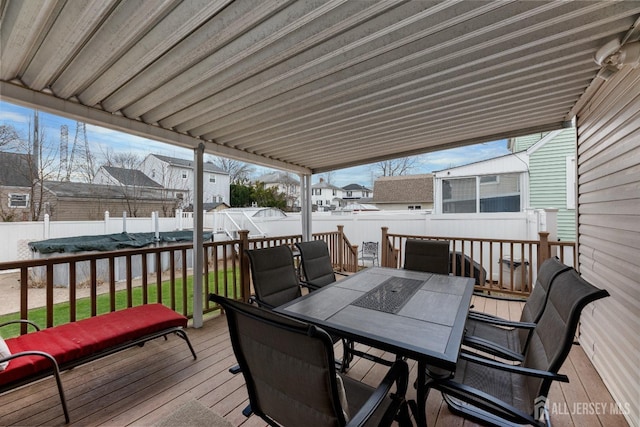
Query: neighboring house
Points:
[215, 206]
[326, 196]
[540, 173]
[178, 174]
[132, 182]
[494, 185]
[15, 187]
[552, 175]
[356, 192]
[407, 192]
[284, 183]
[66, 201]
[110, 175]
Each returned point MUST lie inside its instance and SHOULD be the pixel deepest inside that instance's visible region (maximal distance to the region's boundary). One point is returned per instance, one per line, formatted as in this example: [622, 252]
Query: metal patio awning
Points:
[309, 86]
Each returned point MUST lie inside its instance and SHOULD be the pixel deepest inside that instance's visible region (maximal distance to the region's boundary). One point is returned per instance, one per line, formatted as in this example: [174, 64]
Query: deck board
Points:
[140, 386]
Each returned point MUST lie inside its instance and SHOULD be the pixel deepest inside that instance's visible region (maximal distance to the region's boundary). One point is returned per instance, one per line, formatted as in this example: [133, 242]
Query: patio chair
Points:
[369, 252]
[509, 339]
[316, 264]
[492, 392]
[274, 277]
[275, 282]
[289, 373]
[465, 266]
[431, 256]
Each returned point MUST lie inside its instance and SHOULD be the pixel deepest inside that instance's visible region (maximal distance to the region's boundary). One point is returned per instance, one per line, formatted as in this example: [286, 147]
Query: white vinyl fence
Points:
[358, 226]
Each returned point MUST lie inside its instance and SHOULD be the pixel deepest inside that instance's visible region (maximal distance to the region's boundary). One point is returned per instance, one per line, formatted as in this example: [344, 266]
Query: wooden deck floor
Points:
[140, 386]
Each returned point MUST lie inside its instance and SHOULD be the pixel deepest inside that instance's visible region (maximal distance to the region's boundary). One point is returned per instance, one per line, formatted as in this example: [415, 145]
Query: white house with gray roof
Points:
[325, 195]
[175, 173]
[284, 183]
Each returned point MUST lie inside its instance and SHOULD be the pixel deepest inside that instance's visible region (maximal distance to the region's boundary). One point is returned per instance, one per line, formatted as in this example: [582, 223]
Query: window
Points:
[333, 192]
[184, 174]
[153, 173]
[349, 193]
[212, 178]
[18, 200]
[319, 202]
[459, 195]
[489, 179]
[502, 196]
[416, 207]
[490, 193]
[316, 191]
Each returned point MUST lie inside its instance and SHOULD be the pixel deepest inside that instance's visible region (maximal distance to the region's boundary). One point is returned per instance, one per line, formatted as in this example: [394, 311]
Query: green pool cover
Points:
[110, 242]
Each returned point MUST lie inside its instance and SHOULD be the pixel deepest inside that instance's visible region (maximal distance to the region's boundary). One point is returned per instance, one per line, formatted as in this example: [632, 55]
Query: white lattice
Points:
[24, 252]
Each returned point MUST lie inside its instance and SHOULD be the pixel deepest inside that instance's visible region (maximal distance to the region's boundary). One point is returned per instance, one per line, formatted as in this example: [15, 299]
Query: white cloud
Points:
[12, 118]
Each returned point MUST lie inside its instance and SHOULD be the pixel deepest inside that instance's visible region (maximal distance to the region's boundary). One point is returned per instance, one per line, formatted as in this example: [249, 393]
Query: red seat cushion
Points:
[75, 340]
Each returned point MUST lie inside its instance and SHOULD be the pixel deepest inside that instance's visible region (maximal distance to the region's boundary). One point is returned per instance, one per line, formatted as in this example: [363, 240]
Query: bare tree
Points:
[239, 172]
[122, 160]
[395, 167]
[8, 137]
[328, 176]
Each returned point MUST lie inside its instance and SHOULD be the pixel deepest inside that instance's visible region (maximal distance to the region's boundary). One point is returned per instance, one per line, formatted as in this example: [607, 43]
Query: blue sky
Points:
[102, 139]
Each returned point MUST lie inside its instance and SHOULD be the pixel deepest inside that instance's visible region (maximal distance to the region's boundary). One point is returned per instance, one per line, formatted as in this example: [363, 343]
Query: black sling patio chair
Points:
[289, 373]
[509, 339]
[273, 275]
[501, 394]
[430, 256]
[275, 282]
[316, 264]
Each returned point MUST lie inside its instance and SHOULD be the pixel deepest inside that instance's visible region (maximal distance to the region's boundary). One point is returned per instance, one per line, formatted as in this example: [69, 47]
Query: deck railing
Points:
[160, 274]
[510, 265]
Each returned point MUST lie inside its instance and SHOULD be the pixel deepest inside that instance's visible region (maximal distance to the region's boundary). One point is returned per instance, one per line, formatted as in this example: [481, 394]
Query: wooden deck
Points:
[140, 386]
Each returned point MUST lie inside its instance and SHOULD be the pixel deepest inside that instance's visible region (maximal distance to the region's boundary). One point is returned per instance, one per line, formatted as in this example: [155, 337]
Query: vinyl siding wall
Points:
[548, 177]
[609, 233]
[548, 180]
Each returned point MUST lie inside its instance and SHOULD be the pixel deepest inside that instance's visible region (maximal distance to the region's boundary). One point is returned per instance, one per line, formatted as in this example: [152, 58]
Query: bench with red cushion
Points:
[75, 343]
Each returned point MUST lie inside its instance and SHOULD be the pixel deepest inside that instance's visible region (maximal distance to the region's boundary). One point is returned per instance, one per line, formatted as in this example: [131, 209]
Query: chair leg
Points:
[347, 354]
[63, 400]
[403, 417]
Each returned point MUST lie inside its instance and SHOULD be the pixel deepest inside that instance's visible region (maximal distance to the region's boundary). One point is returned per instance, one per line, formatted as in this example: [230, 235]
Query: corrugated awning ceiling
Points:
[309, 85]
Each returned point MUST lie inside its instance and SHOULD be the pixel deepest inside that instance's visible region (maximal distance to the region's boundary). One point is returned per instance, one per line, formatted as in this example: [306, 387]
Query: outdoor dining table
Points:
[417, 315]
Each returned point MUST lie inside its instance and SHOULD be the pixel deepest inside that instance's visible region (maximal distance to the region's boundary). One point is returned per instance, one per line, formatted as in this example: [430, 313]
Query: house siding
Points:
[609, 233]
[548, 180]
[523, 142]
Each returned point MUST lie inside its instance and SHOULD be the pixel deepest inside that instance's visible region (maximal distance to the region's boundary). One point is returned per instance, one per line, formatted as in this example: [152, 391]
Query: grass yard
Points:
[61, 311]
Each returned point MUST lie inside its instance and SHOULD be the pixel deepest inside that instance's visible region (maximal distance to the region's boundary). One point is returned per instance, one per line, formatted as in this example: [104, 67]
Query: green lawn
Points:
[61, 311]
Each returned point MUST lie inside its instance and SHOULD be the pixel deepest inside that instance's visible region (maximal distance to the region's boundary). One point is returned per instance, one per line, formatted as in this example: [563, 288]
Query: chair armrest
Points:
[482, 400]
[254, 300]
[309, 285]
[55, 371]
[537, 373]
[494, 320]
[29, 322]
[492, 348]
[398, 373]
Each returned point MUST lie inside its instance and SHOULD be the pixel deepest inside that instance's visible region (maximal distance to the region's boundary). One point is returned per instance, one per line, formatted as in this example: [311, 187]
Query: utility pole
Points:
[63, 172]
